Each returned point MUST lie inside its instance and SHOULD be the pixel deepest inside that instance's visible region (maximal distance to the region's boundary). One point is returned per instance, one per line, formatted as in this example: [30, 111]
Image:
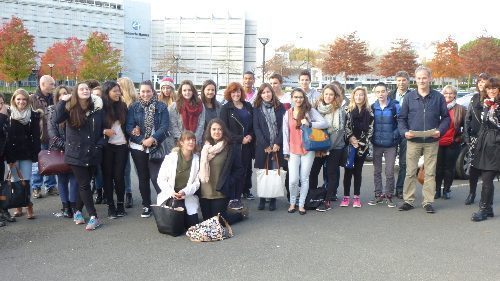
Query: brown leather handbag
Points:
[51, 162]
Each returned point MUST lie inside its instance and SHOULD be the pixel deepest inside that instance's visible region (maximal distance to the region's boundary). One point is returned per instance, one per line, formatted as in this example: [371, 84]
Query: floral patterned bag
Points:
[210, 230]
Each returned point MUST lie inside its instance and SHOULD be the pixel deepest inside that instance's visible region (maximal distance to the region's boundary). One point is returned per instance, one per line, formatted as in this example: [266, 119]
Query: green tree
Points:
[17, 51]
[100, 60]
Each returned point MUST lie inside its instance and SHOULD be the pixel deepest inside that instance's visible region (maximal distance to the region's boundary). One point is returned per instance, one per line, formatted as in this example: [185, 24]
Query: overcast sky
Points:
[379, 22]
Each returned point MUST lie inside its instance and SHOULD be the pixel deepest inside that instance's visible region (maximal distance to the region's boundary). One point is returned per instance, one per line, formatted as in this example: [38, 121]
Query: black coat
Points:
[263, 140]
[83, 146]
[487, 153]
[232, 173]
[23, 141]
[233, 123]
[473, 119]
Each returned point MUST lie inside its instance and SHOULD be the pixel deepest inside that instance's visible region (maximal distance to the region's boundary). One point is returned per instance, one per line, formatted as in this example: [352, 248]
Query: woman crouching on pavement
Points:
[180, 184]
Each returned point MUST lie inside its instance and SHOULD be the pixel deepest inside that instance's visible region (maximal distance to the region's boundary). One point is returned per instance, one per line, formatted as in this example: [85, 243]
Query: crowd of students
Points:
[210, 149]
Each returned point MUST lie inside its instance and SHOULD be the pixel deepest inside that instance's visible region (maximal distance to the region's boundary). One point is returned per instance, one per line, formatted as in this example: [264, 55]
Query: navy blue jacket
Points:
[263, 138]
[423, 113]
[385, 124]
[135, 117]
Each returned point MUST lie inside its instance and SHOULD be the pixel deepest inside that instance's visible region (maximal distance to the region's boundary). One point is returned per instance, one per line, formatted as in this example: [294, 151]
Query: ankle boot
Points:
[98, 199]
[262, 204]
[120, 210]
[272, 204]
[470, 199]
[5, 216]
[128, 200]
[482, 214]
[29, 210]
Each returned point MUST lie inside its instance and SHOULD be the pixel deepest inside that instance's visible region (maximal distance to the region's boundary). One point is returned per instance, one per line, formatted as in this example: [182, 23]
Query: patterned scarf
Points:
[270, 116]
[149, 114]
[331, 117]
[451, 104]
[190, 115]
[207, 154]
[22, 116]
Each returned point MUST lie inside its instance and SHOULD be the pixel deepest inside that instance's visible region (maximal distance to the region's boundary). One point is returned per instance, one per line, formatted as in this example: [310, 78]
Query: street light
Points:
[142, 76]
[176, 58]
[51, 65]
[263, 41]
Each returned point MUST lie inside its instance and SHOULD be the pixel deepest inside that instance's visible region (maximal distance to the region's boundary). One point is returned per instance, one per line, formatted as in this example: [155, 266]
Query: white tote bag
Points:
[271, 183]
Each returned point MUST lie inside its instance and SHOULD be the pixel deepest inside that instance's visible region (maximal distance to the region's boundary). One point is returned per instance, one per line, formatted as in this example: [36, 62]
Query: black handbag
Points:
[14, 194]
[169, 220]
[314, 198]
[158, 152]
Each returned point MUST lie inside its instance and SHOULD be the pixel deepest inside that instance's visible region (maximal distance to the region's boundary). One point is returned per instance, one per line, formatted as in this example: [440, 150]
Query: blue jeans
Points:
[38, 180]
[99, 183]
[24, 167]
[68, 188]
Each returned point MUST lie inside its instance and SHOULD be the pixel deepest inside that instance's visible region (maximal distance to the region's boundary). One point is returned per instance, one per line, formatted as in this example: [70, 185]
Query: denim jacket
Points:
[135, 117]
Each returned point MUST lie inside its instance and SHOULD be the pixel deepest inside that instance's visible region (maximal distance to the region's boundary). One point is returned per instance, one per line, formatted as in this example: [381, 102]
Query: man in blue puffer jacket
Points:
[385, 140]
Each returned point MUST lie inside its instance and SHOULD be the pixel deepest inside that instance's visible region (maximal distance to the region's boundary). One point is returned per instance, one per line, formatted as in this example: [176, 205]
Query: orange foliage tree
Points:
[347, 55]
[402, 56]
[66, 57]
[446, 62]
[481, 55]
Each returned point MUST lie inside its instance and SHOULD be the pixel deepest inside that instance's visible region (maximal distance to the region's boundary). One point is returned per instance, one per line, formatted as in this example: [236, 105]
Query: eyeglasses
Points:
[298, 97]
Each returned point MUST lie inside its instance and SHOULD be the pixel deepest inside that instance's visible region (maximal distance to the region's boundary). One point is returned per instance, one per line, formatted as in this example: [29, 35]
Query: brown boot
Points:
[29, 210]
[18, 212]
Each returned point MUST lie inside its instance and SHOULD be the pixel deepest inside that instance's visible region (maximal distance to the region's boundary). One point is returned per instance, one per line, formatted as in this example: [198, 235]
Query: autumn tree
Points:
[402, 56]
[347, 55]
[17, 51]
[306, 55]
[100, 60]
[66, 57]
[481, 55]
[446, 62]
[281, 62]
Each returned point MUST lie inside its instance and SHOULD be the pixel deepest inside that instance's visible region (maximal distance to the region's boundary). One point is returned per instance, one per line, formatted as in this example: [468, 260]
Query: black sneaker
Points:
[378, 199]
[429, 209]
[146, 212]
[120, 210]
[112, 212]
[248, 196]
[324, 206]
[406, 207]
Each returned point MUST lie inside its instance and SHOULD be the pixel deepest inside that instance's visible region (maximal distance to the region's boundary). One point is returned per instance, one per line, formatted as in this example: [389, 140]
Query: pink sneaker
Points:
[345, 201]
[356, 203]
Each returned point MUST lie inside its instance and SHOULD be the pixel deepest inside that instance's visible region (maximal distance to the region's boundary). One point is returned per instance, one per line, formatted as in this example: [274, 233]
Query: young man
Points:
[248, 82]
[276, 82]
[422, 110]
[402, 82]
[305, 83]
[385, 140]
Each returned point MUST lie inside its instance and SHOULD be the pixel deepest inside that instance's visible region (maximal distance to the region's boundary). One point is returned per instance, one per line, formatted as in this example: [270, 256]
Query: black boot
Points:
[112, 211]
[120, 210]
[262, 204]
[438, 193]
[482, 214]
[98, 199]
[5, 216]
[272, 204]
[128, 200]
[446, 193]
[470, 199]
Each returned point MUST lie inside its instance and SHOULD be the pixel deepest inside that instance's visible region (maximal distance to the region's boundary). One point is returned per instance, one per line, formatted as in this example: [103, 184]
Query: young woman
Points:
[212, 106]
[84, 143]
[167, 91]
[358, 131]
[187, 113]
[299, 160]
[129, 96]
[181, 183]
[329, 105]
[115, 153]
[4, 118]
[66, 183]
[487, 151]
[268, 125]
[237, 114]
[147, 126]
[449, 143]
[220, 172]
[23, 141]
[473, 121]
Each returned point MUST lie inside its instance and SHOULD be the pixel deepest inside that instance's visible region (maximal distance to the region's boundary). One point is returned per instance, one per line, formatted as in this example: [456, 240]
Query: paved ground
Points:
[371, 243]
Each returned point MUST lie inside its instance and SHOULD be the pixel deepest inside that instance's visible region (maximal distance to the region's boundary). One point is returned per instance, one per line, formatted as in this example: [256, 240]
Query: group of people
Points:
[200, 154]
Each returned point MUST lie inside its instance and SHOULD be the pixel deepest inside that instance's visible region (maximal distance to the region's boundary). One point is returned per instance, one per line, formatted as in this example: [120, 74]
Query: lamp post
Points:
[51, 65]
[263, 41]
[142, 76]
[176, 58]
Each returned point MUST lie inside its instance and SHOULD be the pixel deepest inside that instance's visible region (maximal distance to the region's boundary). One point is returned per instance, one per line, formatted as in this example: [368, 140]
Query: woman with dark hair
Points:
[4, 213]
[187, 113]
[268, 125]
[23, 142]
[212, 106]
[237, 114]
[449, 144]
[487, 151]
[66, 183]
[358, 132]
[84, 143]
[299, 160]
[473, 121]
[220, 172]
[147, 126]
[115, 153]
[182, 183]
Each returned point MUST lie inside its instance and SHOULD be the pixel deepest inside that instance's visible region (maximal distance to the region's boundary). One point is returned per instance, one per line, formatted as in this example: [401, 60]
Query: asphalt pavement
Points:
[371, 243]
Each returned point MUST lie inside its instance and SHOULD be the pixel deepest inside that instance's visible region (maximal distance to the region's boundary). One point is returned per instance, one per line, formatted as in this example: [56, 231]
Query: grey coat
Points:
[176, 127]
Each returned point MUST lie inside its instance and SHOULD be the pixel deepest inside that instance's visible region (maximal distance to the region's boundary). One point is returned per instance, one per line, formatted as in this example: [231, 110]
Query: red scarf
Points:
[190, 115]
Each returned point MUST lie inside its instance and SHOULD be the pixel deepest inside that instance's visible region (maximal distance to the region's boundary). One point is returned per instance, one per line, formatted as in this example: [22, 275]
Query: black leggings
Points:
[357, 173]
[445, 166]
[488, 187]
[113, 170]
[146, 170]
[83, 177]
[474, 175]
[332, 165]
[211, 207]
